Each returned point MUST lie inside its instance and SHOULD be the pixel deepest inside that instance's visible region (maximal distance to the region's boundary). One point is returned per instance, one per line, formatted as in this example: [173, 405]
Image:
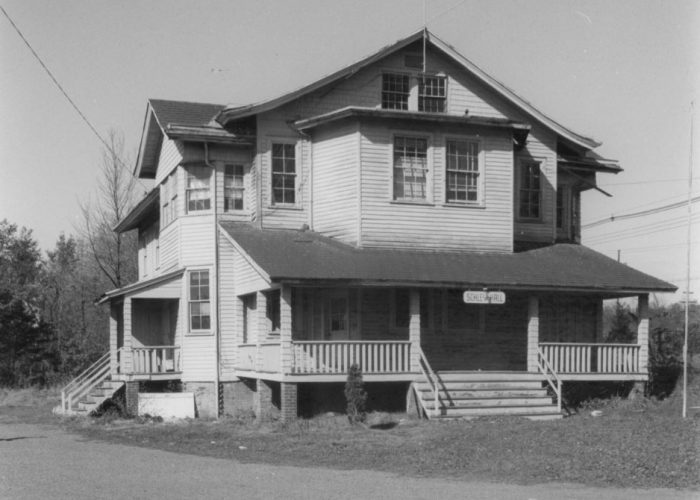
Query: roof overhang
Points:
[234, 113]
[139, 286]
[520, 130]
[306, 257]
[140, 212]
[589, 164]
[192, 133]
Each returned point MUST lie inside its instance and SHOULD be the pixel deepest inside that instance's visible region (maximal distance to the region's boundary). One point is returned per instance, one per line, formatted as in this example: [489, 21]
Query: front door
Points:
[338, 315]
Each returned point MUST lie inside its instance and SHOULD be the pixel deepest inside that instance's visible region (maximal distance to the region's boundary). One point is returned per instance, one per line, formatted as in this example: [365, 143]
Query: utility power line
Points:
[68, 98]
[650, 211]
[645, 230]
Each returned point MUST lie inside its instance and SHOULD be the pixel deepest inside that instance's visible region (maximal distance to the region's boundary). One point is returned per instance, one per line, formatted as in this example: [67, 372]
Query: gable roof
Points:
[290, 255]
[233, 113]
[184, 113]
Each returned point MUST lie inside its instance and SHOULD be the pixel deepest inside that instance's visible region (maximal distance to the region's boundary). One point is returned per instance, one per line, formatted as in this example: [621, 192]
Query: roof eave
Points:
[137, 214]
[204, 134]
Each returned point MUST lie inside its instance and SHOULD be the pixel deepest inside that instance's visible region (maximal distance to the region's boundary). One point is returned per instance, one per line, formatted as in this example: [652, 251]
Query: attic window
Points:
[395, 91]
[432, 94]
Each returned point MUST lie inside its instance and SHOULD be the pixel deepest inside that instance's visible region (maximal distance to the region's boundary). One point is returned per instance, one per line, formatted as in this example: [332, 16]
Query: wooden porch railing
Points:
[432, 379]
[338, 356]
[155, 359]
[550, 375]
[84, 382]
[591, 358]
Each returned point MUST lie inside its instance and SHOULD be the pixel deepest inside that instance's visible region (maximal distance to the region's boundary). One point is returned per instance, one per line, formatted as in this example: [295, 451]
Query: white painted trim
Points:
[429, 184]
[481, 188]
[246, 256]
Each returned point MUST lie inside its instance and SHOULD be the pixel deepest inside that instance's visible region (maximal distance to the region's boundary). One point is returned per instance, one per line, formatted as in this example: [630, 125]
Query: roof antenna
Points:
[425, 31]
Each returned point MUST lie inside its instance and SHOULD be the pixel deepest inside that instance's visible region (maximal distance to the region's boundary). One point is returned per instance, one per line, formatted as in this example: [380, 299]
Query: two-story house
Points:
[408, 213]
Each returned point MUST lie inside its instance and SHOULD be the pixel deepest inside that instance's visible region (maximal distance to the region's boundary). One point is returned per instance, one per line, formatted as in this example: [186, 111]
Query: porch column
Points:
[414, 329]
[533, 332]
[127, 361]
[286, 331]
[113, 338]
[261, 327]
[643, 332]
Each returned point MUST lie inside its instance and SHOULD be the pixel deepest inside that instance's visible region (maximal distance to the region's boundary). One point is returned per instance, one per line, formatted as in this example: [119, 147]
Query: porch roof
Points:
[306, 256]
[138, 286]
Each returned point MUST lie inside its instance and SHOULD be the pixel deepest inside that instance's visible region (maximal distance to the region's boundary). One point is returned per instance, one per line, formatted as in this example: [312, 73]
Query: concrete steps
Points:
[97, 395]
[479, 394]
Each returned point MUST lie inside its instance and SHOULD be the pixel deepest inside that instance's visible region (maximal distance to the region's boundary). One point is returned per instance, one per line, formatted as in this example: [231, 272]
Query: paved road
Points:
[46, 462]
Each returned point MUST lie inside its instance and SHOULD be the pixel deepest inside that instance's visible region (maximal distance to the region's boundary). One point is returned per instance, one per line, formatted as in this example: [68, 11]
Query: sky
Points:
[624, 72]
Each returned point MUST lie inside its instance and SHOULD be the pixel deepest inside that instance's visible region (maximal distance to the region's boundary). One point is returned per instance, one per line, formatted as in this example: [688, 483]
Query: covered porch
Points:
[144, 332]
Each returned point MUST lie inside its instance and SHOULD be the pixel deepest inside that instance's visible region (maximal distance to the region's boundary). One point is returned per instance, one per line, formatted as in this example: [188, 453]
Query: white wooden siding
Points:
[335, 185]
[248, 279]
[229, 309]
[197, 240]
[436, 225]
[169, 246]
[199, 358]
[170, 157]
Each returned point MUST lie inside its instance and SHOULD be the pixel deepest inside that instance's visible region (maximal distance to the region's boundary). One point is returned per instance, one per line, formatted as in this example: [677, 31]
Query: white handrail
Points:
[432, 379]
[546, 369]
[85, 381]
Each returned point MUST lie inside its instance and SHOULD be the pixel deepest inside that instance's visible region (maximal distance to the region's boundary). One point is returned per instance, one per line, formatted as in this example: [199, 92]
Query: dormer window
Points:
[395, 91]
[432, 94]
[198, 189]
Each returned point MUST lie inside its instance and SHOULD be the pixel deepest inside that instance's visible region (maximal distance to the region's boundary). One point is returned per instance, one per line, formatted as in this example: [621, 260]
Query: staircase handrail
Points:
[546, 369]
[85, 381]
[431, 378]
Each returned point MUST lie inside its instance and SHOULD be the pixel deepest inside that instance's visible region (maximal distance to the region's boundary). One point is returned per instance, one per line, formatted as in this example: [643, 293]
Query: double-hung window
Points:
[283, 174]
[198, 189]
[530, 190]
[463, 172]
[411, 168]
[169, 199]
[432, 94]
[200, 312]
[233, 187]
[395, 91]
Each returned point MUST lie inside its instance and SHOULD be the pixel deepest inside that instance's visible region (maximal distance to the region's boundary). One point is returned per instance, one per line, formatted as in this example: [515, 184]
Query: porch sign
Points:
[481, 297]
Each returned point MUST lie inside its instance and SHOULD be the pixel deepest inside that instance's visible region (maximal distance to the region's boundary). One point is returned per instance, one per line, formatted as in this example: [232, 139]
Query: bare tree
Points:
[115, 254]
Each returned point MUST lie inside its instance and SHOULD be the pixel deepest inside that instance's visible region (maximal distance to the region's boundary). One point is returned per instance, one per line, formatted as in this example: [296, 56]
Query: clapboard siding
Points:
[199, 358]
[171, 154]
[169, 243]
[197, 240]
[247, 278]
[335, 197]
[229, 309]
[436, 225]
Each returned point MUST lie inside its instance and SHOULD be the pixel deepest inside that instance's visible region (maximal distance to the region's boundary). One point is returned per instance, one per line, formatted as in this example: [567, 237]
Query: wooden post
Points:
[261, 327]
[643, 332]
[113, 337]
[126, 359]
[533, 332]
[286, 330]
[414, 329]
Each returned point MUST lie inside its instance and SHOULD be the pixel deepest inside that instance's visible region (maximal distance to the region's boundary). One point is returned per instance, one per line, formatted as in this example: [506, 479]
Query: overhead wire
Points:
[109, 148]
[650, 211]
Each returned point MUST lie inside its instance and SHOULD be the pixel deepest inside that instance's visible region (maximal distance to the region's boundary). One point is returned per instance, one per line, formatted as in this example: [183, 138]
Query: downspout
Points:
[215, 200]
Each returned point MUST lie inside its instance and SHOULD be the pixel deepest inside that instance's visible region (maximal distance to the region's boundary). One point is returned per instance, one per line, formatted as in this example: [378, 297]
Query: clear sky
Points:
[624, 72]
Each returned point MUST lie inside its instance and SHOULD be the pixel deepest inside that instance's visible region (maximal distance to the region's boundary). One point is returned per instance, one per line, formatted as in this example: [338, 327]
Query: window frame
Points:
[481, 172]
[234, 188]
[199, 300]
[188, 189]
[423, 97]
[393, 96]
[286, 142]
[521, 164]
[168, 193]
[428, 138]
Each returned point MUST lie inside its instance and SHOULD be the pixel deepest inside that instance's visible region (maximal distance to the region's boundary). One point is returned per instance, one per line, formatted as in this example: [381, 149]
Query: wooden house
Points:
[408, 213]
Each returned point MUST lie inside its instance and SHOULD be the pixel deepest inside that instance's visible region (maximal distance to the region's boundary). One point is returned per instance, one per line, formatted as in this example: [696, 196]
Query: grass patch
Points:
[634, 443]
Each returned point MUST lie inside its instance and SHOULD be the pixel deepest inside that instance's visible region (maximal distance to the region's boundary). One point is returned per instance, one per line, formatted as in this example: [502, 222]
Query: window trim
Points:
[521, 162]
[188, 190]
[419, 81]
[481, 181]
[190, 301]
[241, 189]
[428, 200]
[297, 166]
[403, 74]
[169, 198]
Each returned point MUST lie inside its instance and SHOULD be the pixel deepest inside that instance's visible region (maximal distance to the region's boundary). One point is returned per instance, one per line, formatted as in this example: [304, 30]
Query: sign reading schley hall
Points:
[483, 297]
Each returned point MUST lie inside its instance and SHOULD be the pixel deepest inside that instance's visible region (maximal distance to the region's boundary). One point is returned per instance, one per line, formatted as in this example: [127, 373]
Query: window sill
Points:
[412, 202]
[199, 333]
[464, 205]
[285, 207]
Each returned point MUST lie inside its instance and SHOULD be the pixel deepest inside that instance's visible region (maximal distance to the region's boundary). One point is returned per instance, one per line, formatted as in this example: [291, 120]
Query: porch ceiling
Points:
[306, 256]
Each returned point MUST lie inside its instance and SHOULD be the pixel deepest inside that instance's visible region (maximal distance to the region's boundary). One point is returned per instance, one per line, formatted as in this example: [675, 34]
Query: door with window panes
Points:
[338, 324]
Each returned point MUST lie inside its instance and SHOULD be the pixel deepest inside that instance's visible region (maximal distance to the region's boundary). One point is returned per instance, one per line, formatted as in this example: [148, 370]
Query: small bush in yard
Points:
[355, 395]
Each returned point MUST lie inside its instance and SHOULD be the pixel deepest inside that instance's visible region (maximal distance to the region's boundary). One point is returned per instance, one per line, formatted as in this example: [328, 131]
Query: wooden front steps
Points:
[97, 395]
[480, 394]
